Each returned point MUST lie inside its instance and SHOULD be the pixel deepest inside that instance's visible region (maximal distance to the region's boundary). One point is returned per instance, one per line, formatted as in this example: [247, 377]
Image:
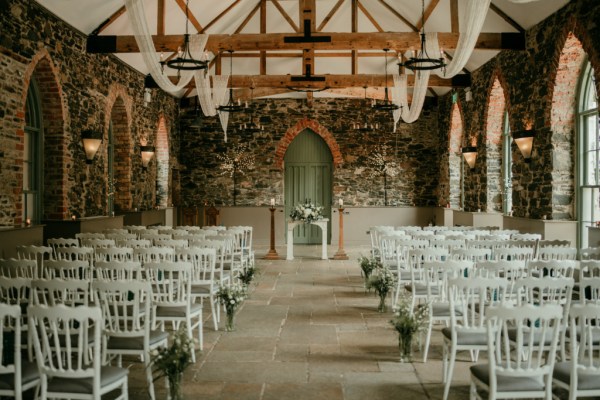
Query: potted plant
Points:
[231, 297]
[247, 275]
[367, 265]
[407, 323]
[382, 280]
[171, 361]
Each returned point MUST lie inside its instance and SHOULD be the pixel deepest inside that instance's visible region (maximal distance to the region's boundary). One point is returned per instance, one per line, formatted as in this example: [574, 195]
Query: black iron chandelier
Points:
[387, 104]
[365, 126]
[232, 105]
[251, 126]
[184, 60]
[422, 61]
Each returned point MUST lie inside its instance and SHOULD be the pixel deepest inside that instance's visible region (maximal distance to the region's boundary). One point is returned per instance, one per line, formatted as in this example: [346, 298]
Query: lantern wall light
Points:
[470, 155]
[91, 143]
[524, 141]
[147, 155]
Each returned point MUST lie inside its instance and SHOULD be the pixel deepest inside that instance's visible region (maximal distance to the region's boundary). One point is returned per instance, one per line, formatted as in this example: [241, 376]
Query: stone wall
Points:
[413, 147]
[539, 95]
[79, 91]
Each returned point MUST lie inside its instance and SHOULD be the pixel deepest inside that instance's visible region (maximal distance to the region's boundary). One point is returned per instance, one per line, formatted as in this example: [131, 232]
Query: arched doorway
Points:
[308, 175]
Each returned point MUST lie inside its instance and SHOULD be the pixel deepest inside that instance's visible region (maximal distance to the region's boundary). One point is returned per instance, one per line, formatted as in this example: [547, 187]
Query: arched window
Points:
[32, 156]
[588, 167]
[506, 167]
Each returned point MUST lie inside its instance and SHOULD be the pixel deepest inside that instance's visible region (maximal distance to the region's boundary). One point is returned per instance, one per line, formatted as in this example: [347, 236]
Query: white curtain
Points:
[205, 97]
[221, 98]
[143, 37]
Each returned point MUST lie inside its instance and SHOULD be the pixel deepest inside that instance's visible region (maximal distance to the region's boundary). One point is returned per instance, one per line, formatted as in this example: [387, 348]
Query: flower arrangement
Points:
[407, 322]
[367, 266]
[382, 280]
[171, 361]
[307, 212]
[247, 275]
[231, 297]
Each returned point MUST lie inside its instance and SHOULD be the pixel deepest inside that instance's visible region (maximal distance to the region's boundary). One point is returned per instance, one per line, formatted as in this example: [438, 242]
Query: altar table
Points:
[321, 223]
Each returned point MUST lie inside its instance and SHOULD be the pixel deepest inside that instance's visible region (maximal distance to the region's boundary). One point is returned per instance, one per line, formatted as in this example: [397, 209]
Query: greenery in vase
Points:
[171, 361]
[382, 280]
[231, 297]
[368, 265]
[247, 274]
[407, 323]
[307, 212]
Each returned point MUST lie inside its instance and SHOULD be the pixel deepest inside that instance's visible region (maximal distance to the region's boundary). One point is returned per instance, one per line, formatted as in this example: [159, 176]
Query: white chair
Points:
[135, 243]
[76, 253]
[469, 299]
[17, 292]
[189, 228]
[512, 271]
[59, 344]
[153, 236]
[171, 231]
[526, 236]
[98, 243]
[55, 243]
[376, 232]
[113, 254]
[125, 310]
[416, 258]
[557, 253]
[38, 253]
[118, 271]
[448, 244]
[553, 268]
[221, 275]
[117, 237]
[581, 375]
[115, 231]
[522, 369]
[436, 275]
[153, 254]
[89, 235]
[172, 293]
[16, 375]
[474, 255]
[174, 243]
[13, 268]
[590, 253]
[513, 253]
[71, 293]
[68, 269]
[204, 283]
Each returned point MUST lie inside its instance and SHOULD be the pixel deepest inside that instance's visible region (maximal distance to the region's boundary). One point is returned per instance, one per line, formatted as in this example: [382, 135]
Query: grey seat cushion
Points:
[108, 375]
[537, 336]
[441, 310]
[562, 372]
[421, 289]
[466, 338]
[525, 384]
[201, 289]
[165, 311]
[135, 343]
[29, 373]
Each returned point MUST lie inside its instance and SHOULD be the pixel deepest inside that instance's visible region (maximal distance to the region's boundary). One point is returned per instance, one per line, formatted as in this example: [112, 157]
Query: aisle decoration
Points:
[307, 212]
[407, 324]
[367, 266]
[231, 297]
[382, 280]
[247, 275]
[171, 362]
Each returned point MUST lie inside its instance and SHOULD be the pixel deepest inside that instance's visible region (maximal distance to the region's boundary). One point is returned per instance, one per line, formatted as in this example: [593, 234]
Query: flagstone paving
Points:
[308, 330]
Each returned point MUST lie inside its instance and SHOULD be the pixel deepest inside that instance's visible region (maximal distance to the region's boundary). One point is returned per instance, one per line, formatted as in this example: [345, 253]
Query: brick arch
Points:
[118, 110]
[316, 127]
[163, 191]
[494, 128]
[55, 120]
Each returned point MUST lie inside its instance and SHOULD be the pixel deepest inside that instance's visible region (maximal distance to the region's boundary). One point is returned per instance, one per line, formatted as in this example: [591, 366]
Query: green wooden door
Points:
[308, 175]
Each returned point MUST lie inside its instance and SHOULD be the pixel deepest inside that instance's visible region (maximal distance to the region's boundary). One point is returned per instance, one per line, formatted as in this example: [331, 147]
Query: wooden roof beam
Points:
[191, 17]
[330, 15]
[399, 16]
[285, 15]
[274, 41]
[428, 11]
[369, 16]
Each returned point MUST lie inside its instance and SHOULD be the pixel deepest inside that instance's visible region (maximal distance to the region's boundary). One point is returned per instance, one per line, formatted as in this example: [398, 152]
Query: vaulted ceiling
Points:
[254, 29]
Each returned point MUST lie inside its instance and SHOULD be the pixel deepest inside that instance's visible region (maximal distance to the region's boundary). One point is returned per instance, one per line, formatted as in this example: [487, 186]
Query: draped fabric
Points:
[143, 38]
[205, 97]
[220, 98]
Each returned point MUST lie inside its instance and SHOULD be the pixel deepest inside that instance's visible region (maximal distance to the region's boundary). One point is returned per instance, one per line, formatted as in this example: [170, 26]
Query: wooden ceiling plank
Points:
[109, 20]
[432, 5]
[285, 15]
[221, 15]
[263, 29]
[191, 17]
[339, 41]
[507, 18]
[454, 24]
[248, 18]
[399, 16]
[328, 17]
[246, 94]
[160, 17]
[369, 16]
[354, 16]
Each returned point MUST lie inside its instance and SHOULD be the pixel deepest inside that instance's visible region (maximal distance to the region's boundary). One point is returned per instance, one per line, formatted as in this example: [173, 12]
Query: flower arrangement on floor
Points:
[367, 266]
[382, 280]
[407, 323]
[231, 297]
[247, 275]
[171, 361]
[307, 212]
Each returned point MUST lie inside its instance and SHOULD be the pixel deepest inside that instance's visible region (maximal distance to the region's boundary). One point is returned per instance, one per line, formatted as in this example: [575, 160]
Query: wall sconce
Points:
[147, 154]
[91, 143]
[470, 155]
[524, 141]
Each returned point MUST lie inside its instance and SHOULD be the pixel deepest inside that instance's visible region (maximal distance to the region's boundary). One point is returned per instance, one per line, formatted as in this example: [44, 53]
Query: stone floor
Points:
[308, 330]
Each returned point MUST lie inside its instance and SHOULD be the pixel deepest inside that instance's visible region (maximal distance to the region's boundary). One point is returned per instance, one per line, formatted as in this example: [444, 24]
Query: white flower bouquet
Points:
[231, 297]
[307, 212]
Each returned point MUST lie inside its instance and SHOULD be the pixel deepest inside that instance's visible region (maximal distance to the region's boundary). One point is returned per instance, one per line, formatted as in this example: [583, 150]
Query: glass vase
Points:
[175, 387]
[382, 307]
[230, 323]
[405, 345]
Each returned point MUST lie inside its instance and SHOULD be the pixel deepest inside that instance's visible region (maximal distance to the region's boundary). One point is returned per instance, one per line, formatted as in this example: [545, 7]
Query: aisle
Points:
[309, 331]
